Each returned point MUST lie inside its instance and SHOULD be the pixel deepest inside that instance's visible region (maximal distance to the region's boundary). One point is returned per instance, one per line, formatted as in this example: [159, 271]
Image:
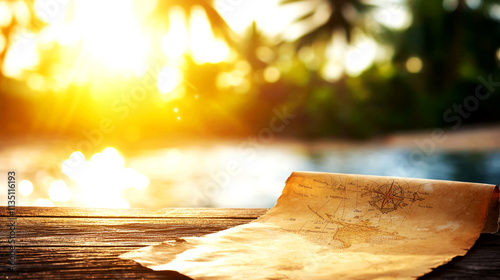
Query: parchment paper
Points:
[339, 226]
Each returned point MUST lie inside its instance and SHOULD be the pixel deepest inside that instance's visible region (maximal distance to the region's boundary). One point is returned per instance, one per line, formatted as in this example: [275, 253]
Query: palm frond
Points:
[337, 19]
[217, 23]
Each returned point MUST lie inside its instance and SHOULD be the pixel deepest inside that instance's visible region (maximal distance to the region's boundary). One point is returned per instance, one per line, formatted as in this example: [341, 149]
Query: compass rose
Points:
[388, 198]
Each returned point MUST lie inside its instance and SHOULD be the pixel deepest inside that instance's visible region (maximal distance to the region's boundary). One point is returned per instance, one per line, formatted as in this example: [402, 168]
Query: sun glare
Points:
[58, 191]
[174, 43]
[204, 46]
[112, 33]
[360, 55]
[21, 55]
[102, 179]
[169, 78]
[107, 38]
[393, 14]
[352, 59]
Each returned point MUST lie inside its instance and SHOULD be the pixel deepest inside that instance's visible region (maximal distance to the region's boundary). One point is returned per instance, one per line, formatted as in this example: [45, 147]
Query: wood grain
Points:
[109, 232]
[78, 212]
[83, 243]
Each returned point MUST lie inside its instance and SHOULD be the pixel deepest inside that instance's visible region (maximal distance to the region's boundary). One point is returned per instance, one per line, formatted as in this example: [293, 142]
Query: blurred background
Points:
[198, 103]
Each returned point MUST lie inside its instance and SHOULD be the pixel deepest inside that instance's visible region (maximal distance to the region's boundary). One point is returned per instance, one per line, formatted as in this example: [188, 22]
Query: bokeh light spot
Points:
[103, 178]
[360, 55]
[414, 64]
[204, 46]
[332, 71]
[264, 54]
[473, 4]
[58, 191]
[174, 43]
[5, 14]
[25, 187]
[169, 78]
[271, 74]
[450, 5]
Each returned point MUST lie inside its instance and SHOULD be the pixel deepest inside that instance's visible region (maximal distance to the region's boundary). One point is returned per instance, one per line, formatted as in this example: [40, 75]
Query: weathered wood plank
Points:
[482, 261]
[78, 263]
[75, 212]
[109, 232]
[93, 273]
[79, 243]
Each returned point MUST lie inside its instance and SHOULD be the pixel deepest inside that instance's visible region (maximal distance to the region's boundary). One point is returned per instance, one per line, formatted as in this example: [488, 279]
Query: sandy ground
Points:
[472, 138]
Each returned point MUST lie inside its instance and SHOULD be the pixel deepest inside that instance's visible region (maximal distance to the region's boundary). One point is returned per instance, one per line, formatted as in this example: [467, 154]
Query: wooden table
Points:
[83, 243]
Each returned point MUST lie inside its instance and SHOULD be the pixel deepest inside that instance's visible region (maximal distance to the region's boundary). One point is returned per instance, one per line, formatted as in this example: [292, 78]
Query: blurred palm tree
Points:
[22, 16]
[217, 23]
[343, 15]
[25, 17]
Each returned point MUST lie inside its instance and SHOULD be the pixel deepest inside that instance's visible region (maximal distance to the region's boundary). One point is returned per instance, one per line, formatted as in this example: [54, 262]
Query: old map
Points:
[329, 226]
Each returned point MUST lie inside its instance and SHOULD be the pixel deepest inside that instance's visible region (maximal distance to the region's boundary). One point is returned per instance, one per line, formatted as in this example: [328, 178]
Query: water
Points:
[235, 175]
[227, 176]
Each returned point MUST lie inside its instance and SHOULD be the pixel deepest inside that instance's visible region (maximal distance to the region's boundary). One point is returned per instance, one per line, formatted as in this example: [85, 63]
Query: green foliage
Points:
[456, 47]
